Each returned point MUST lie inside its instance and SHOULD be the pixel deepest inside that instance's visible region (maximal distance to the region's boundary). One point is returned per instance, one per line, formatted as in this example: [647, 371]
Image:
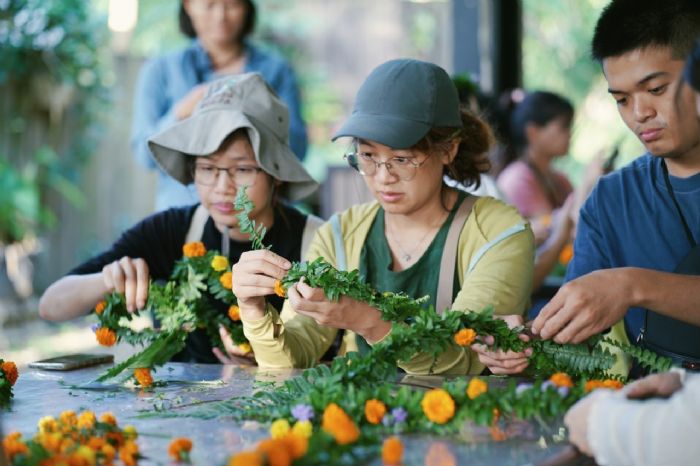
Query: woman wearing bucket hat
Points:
[408, 132]
[237, 136]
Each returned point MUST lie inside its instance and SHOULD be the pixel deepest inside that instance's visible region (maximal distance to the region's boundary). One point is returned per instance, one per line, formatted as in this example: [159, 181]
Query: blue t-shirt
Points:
[166, 79]
[630, 220]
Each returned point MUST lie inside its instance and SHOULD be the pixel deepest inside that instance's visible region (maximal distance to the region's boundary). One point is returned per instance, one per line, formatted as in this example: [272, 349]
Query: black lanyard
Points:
[548, 184]
[688, 233]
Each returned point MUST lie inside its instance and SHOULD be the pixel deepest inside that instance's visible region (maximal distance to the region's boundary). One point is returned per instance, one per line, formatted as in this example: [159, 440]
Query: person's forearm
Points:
[72, 296]
[673, 295]
[547, 258]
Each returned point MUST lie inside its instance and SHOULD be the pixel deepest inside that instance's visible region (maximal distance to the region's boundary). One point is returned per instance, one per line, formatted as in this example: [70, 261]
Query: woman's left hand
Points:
[234, 353]
[346, 313]
[499, 361]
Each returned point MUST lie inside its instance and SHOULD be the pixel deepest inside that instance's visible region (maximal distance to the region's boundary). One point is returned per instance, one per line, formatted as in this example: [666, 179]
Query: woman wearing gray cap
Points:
[237, 136]
[419, 236]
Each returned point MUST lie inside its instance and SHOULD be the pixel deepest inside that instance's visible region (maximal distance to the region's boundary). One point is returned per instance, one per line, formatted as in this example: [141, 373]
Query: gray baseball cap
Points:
[230, 103]
[400, 101]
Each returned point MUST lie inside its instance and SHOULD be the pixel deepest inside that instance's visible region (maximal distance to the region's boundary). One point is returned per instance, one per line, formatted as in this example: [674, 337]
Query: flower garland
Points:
[8, 376]
[74, 438]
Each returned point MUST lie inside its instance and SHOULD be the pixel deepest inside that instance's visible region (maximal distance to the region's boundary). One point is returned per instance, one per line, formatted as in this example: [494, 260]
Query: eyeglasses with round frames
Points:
[404, 168]
[240, 175]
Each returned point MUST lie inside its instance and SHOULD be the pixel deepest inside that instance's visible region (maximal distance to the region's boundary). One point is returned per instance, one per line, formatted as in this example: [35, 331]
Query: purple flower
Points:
[563, 391]
[546, 385]
[303, 412]
[522, 387]
[94, 327]
[399, 414]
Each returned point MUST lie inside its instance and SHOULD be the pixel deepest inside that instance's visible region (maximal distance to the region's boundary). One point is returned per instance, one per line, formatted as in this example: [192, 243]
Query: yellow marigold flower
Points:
[109, 452]
[86, 420]
[129, 453]
[180, 448]
[50, 441]
[337, 423]
[561, 379]
[68, 418]
[279, 289]
[10, 370]
[47, 424]
[234, 313]
[392, 451]
[105, 336]
[439, 454]
[247, 458]
[476, 387]
[245, 347]
[226, 280]
[465, 337]
[100, 307]
[566, 254]
[108, 418]
[13, 446]
[219, 263]
[374, 411]
[303, 428]
[143, 376]
[276, 452]
[296, 444]
[279, 428]
[438, 405]
[195, 249]
[85, 455]
[130, 433]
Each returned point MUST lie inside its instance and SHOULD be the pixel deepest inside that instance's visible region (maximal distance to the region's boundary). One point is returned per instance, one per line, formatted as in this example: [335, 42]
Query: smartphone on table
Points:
[72, 361]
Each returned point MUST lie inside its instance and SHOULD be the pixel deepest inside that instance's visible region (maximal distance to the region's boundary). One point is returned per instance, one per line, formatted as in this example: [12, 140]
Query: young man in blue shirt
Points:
[643, 220]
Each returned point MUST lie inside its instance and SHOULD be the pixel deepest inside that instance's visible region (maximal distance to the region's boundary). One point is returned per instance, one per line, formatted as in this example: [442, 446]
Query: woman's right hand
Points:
[130, 277]
[254, 277]
[185, 106]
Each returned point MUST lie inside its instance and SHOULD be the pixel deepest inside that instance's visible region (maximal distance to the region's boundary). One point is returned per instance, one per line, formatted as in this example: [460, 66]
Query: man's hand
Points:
[584, 307]
[576, 421]
[130, 277]
[656, 385]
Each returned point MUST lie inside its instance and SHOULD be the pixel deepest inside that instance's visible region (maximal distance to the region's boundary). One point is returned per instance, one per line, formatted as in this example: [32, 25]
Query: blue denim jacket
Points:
[166, 79]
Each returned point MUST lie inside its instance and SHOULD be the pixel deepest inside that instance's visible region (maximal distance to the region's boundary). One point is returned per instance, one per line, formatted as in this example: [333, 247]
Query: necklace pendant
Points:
[406, 257]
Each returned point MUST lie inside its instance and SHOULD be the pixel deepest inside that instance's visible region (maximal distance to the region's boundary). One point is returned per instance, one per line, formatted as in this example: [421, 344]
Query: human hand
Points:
[656, 385]
[130, 277]
[346, 313]
[499, 361]
[254, 277]
[234, 353]
[584, 307]
[576, 421]
[185, 106]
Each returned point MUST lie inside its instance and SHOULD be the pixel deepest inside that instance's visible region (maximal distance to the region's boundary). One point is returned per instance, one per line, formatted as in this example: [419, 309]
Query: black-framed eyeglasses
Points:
[240, 175]
[404, 168]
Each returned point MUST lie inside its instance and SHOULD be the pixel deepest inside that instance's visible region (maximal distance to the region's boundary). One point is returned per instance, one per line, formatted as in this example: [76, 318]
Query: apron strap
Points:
[199, 219]
[443, 300]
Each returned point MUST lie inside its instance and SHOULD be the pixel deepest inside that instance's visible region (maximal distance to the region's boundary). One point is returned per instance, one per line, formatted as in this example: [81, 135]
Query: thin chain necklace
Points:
[406, 256]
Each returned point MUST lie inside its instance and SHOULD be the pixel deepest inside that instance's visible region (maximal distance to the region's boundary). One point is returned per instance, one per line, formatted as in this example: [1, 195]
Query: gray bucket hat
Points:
[400, 101]
[230, 103]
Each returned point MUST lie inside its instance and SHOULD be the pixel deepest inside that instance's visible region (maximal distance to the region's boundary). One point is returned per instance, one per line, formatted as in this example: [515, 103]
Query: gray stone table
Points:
[39, 393]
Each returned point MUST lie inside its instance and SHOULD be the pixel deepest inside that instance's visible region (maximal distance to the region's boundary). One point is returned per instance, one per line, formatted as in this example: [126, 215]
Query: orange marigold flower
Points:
[595, 384]
[374, 411]
[50, 441]
[180, 448]
[613, 384]
[219, 263]
[247, 458]
[465, 337]
[109, 452]
[96, 443]
[276, 452]
[337, 423]
[438, 405]
[195, 249]
[561, 379]
[476, 387]
[100, 307]
[10, 370]
[47, 424]
[297, 444]
[13, 445]
[392, 451]
[566, 254]
[497, 434]
[279, 289]
[68, 418]
[86, 420]
[234, 313]
[108, 418]
[105, 336]
[143, 376]
[226, 280]
[592, 385]
[129, 453]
